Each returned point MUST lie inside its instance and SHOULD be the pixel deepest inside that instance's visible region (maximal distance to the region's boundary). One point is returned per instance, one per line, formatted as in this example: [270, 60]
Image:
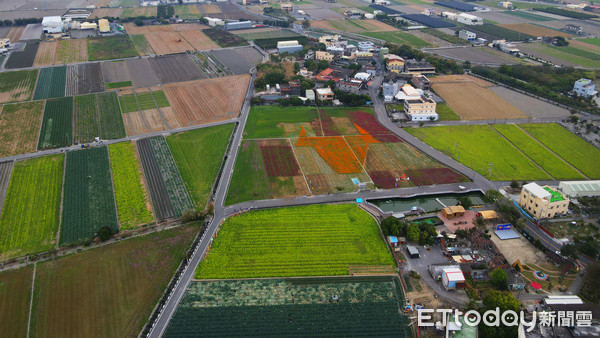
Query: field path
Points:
[162, 117]
[298, 161]
[31, 299]
[555, 154]
[519, 150]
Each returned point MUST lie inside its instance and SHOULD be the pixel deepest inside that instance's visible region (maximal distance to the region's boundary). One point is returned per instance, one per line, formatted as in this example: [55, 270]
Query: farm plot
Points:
[14, 35]
[89, 202]
[141, 44]
[266, 169]
[567, 145]
[225, 39]
[207, 100]
[57, 125]
[51, 83]
[84, 79]
[30, 215]
[71, 51]
[109, 291]
[167, 43]
[551, 163]
[142, 74]
[501, 32]
[162, 206]
[147, 112]
[480, 148]
[5, 171]
[265, 33]
[112, 47]
[399, 37]
[529, 105]
[368, 305]
[232, 59]
[198, 40]
[46, 54]
[134, 12]
[317, 240]
[133, 205]
[15, 296]
[566, 56]
[175, 68]
[20, 125]
[22, 59]
[474, 102]
[97, 115]
[133, 29]
[534, 30]
[115, 72]
[17, 86]
[143, 101]
[198, 155]
[100, 13]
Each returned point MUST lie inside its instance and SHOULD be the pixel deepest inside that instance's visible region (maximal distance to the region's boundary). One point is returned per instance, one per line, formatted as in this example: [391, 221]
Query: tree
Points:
[569, 250]
[491, 196]
[305, 23]
[505, 301]
[105, 233]
[499, 278]
[296, 67]
[138, 22]
[561, 41]
[514, 184]
[479, 222]
[412, 233]
[465, 202]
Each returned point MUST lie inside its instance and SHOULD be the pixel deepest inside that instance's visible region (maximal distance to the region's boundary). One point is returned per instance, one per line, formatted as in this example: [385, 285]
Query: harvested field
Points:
[141, 44]
[20, 125]
[14, 35]
[71, 51]
[22, 59]
[133, 12]
[100, 13]
[146, 121]
[132, 28]
[84, 79]
[534, 30]
[209, 9]
[15, 296]
[175, 68]
[167, 43]
[189, 27]
[529, 105]
[207, 100]
[17, 86]
[142, 74]
[115, 71]
[46, 54]
[233, 60]
[198, 40]
[51, 83]
[474, 102]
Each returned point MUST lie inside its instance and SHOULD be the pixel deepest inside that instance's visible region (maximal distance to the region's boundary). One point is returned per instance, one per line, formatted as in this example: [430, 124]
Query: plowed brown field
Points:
[198, 40]
[15, 33]
[209, 100]
[534, 30]
[46, 54]
[189, 27]
[131, 28]
[106, 12]
[167, 43]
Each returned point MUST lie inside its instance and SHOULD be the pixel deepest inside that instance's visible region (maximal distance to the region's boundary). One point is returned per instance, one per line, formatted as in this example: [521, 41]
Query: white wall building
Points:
[420, 109]
[585, 88]
[390, 89]
[466, 35]
[52, 24]
[580, 188]
[362, 76]
[469, 19]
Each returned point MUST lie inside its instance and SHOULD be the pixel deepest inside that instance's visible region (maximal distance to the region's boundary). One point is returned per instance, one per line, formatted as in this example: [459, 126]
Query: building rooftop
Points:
[556, 196]
[536, 190]
[582, 186]
[454, 274]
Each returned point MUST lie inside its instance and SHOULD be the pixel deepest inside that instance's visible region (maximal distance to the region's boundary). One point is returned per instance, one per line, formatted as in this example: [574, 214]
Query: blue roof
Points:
[428, 21]
[461, 6]
[393, 239]
[359, 200]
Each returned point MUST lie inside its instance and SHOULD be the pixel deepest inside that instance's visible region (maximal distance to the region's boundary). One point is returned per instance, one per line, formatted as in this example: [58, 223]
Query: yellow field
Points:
[534, 30]
[46, 54]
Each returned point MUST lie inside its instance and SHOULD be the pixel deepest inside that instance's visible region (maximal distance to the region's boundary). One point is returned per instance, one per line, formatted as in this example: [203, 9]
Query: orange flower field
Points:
[334, 150]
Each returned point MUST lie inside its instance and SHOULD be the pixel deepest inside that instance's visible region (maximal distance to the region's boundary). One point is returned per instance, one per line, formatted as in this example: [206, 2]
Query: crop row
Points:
[98, 115]
[57, 125]
[51, 83]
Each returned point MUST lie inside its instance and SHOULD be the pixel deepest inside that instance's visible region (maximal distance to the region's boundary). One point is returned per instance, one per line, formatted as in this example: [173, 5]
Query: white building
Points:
[52, 24]
[585, 88]
[366, 46]
[362, 76]
[408, 92]
[214, 22]
[420, 109]
[580, 188]
[291, 46]
[390, 89]
[469, 19]
[466, 35]
[450, 15]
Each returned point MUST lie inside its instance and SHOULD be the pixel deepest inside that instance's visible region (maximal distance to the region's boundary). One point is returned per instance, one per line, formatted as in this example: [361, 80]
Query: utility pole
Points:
[491, 168]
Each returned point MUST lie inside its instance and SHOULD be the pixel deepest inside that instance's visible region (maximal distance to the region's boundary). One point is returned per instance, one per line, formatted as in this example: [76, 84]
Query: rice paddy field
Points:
[365, 306]
[317, 240]
[30, 216]
[198, 155]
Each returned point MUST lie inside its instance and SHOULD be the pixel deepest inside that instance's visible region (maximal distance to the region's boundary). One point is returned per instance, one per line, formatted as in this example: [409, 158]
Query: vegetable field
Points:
[97, 115]
[366, 306]
[113, 47]
[89, 203]
[20, 125]
[161, 203]
[15, 296]
[143, 101]
[109, 291]
[17, 86]
[57, 125]
[132, 201]
[317, 240]
[198, 155]
[30, 215]
[51, 83]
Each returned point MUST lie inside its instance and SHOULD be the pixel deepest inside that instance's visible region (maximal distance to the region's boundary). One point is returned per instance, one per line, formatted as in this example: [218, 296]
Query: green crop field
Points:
[569, 146]
[17, 86]
[57, 125]
[593, 41]
[15, 295]
[51, 83]
[316, 240]
[268, 35]
[97, 115]
[479, 147]
[89, 203]
[143, 101]
[502, 32]
[198, 155]
[528, 15]
[366, 306]
[141, 44]
[570, 54]
[446, 113]
[132, 200]
[399, 37]
[170, 174]
[121, 84]
[112, 47]
[540, 155]
[30, 215]
[263, 120]
[109, 291]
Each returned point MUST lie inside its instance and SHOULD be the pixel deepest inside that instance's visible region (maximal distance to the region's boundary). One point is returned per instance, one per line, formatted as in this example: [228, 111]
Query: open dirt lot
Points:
[472, 101]
[529, 105]
[148, 121]
[167, 43]
[198, 40]
[207, 100]
[519, 248]
[534, 30]
[46, 54]
[589, 26]
[115, 71]
[131, 28]
[462, 79]
[142, 74]
[99, 13]
[175, 68]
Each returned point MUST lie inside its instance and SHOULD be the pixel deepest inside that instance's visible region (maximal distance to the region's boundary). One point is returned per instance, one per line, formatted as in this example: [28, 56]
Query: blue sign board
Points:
[503, 227]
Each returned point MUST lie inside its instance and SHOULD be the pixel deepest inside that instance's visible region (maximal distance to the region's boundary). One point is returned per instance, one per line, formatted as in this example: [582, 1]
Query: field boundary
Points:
[523, 153]
[555, 154]
[112, 182]
[41, 124]
[62, 197]
[31, 299]
[5, 193]
[301, 170]
[162, 117]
